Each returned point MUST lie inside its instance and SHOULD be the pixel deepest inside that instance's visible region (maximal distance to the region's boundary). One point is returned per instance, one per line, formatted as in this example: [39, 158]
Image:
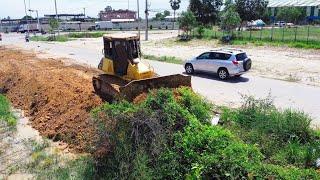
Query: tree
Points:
[187, 21]
[291, 14]
[251, 9]
[26, 17]
[54, 24]
[175, 5]
[206, 11]
[230, 18]
[166, 13]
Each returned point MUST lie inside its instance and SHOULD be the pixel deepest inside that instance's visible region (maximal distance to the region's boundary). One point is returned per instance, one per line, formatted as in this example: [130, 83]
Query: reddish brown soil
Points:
[58, 98]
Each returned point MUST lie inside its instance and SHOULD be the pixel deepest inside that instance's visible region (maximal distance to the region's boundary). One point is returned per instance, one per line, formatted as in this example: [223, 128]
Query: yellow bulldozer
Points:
[125, 75]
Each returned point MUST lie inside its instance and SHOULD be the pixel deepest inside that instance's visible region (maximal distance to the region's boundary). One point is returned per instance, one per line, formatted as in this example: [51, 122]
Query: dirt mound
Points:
[57, 97]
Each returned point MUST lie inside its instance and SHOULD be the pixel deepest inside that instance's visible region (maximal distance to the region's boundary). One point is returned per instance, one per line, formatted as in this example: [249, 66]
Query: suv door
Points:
[218, 60]
[211, 63]
[201, 63]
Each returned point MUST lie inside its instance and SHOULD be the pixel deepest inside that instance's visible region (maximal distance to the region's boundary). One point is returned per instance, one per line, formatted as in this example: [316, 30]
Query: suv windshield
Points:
[241, 57]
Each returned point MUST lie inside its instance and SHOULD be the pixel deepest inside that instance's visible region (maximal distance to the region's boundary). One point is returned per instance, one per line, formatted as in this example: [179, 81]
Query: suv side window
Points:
[221, 56]
[204, 56]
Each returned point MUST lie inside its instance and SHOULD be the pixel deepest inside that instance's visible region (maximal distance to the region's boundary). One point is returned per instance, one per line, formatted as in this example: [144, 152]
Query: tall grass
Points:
[5, 112]
[68, 37]
[86, 35]
[284, 136]
[167, 135]
[168, 59]
[299, 37]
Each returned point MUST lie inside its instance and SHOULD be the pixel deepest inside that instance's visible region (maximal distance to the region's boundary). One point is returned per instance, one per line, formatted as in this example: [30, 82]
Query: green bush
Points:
[168, 59]
[167, 135]
[86, 35]
[5, 112]
[284, 136]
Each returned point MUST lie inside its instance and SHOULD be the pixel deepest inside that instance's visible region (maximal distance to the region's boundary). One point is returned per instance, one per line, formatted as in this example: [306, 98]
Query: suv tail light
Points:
[235, 62]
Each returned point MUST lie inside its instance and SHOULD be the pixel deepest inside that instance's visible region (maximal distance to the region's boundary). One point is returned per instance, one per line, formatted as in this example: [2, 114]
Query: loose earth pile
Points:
[57, 97]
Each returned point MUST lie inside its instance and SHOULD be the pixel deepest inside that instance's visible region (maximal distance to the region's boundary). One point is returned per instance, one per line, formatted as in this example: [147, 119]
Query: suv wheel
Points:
[247, 65]
[223, 73]
[189, 69]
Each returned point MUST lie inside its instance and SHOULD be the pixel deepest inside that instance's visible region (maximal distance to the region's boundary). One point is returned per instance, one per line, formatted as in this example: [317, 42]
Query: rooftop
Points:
[296, 3]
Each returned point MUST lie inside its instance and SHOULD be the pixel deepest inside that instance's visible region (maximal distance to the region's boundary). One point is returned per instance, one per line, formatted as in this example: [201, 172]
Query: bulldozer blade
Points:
[137, 87]
[110, 87]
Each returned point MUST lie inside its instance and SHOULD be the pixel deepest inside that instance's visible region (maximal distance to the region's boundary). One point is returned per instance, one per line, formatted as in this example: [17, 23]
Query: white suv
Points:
[224, 62]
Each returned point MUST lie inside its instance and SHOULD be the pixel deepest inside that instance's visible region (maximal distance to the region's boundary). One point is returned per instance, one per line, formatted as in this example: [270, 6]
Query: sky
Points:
[15, 8]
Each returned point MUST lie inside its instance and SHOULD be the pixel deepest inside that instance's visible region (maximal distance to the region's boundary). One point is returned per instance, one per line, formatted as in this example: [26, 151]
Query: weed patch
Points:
[168, 136]
[86, 35]
[168, 59]
[284, 136]
[5, 112]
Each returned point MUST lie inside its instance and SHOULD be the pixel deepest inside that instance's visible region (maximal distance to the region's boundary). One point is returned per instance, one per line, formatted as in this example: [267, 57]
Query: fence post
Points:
[271, 37]
[250, 34]
[295, 34]
[261, 33]
[308, 34]
[283, 33]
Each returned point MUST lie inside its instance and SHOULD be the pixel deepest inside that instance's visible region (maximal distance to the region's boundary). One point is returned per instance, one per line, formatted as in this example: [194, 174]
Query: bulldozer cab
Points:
[122, 49]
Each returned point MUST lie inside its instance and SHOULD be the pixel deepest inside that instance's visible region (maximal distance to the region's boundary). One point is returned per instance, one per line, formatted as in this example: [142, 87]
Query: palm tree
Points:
[175, 5]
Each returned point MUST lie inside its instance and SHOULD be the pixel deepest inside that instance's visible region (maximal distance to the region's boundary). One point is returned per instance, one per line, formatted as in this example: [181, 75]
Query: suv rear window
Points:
[241, 57]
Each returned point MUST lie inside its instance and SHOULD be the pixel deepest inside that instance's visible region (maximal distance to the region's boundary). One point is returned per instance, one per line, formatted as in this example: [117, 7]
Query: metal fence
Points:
[293, 34]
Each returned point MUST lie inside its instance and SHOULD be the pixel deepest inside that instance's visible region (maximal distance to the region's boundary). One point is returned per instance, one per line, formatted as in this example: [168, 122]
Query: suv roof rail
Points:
[230, 50]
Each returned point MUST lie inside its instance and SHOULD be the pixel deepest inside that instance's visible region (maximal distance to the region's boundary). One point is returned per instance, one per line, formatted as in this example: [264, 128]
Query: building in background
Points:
[312, 7]
[120, 15]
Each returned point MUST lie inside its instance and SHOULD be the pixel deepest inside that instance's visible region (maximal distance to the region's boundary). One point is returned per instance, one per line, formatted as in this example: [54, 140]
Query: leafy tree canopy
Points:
[27, 17]
[291, 14]
[230, 18]
[175, 4]
[187, 21]
[206, 11]
[251, 9]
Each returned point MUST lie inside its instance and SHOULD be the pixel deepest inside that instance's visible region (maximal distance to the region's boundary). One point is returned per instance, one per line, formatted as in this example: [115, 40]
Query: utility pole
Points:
[25, 10]
[84, 10]
[1, 25]
[138, 8]
[147, 21]
[57, 17]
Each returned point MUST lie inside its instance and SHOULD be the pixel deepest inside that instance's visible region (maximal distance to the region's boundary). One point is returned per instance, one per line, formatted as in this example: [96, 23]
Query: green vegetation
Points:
[68, 37]
[187, 21]
[167, 134]
[86, 35]
[283, 136]
[291, 37]
[5, 112]
[291, 14]
[168, 59]
[60, 38]
[230, 19]
[48, 164]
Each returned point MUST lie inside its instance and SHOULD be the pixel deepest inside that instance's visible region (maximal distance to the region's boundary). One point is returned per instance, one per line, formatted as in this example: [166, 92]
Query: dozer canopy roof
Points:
[121, 36]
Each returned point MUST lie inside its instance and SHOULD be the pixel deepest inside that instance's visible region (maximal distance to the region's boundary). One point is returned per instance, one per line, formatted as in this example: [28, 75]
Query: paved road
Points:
[286, 94]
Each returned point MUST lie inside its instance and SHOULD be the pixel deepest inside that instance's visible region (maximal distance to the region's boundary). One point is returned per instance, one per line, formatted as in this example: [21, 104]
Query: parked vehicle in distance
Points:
[23, 28]
[103, 25]
[290, 25]
[280, 23]
[225, 62]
